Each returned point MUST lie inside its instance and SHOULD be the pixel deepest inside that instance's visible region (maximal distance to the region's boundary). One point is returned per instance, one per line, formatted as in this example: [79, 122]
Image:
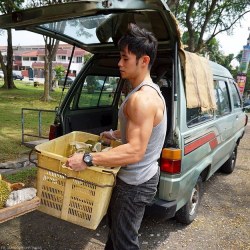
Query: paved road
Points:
[223, 221]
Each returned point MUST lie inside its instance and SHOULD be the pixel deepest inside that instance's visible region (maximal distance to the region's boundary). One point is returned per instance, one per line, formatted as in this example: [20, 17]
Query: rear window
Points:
[96, 91]
[108, 28]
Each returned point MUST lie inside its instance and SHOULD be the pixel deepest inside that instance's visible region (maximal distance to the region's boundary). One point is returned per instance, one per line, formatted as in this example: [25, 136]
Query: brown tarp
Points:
[198, 81]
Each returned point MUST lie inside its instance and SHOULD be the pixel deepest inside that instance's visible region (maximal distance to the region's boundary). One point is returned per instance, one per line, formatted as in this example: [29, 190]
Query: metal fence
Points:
[37, 131]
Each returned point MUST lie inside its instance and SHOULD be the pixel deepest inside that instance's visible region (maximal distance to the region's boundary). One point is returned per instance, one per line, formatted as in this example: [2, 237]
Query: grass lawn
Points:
[12, 101]
[26, 176]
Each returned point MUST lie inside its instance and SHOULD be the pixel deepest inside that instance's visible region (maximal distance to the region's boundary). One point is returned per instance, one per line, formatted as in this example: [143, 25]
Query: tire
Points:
[189, 211]
[229, 166]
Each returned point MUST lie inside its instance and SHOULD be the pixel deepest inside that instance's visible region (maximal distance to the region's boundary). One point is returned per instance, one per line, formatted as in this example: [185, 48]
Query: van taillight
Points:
[53, 131]
[171, 160]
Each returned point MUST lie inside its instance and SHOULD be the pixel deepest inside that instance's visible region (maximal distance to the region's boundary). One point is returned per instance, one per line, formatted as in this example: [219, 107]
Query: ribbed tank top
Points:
[145, 169]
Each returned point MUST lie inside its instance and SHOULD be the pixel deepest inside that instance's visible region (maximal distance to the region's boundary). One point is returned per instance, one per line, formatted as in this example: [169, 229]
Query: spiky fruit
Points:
[5, 190]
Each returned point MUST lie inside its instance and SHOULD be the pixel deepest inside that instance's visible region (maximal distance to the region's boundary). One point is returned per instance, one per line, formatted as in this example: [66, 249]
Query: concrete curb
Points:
[18, 165]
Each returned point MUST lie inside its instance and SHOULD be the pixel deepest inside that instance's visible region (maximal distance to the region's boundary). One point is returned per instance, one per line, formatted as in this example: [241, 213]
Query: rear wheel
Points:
[189, 211]
[229, 165]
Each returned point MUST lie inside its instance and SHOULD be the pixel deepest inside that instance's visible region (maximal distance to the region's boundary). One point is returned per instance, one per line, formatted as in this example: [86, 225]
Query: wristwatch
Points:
[87, 158]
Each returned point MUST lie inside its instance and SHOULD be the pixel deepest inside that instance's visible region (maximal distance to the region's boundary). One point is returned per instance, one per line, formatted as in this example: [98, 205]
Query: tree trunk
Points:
[50, 70]
[52, 54]
[8, 77]
[3, 67]
[46, 97]
[51, 46]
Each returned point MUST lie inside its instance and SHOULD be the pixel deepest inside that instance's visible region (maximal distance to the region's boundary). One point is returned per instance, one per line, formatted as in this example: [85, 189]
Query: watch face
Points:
[87, 158]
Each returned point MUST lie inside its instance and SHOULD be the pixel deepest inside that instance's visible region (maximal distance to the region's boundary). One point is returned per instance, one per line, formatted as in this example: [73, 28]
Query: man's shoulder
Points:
[139, 95]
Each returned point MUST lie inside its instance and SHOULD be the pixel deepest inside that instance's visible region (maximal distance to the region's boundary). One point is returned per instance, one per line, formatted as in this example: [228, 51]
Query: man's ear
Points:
[145, 60]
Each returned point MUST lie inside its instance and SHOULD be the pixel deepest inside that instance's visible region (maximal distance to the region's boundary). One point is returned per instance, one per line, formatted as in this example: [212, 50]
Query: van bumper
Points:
[162, 208]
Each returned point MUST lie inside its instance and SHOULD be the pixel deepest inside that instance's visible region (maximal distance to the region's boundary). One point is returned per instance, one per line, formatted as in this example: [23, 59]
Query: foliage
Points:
[25, 176]
[59, 69]
[51, 46]
[37, 3]
[87, 57]
[7, 6]
[207, 19]
[247, 86]
[91, 84]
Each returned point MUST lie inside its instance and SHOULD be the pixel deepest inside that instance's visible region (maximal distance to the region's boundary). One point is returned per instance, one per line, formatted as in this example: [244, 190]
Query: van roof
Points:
[219, 70]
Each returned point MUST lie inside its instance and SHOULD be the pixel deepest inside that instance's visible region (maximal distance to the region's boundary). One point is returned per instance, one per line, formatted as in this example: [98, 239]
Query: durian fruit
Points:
[78, 147]
[5, 190]
[97, 147]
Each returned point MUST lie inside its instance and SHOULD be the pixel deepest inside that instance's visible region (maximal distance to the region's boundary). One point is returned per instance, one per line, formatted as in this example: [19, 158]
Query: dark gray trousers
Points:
[125, 213]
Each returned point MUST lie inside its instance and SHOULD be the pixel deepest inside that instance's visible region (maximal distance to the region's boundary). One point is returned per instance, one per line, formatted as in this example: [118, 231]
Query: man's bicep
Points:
[139, 124]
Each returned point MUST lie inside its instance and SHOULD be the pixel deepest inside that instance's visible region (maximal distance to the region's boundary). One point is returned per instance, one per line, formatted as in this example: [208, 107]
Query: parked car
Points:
[246, 104]
[17, 75]
[69, 81]
[205, 113]
[102, 85]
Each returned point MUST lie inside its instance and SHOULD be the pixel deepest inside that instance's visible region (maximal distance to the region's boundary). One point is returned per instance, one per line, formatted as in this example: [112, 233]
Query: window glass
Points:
[79, 59]
[222, 98]
[236, 96]
[97, 91]
[106, 28]
[196, 116]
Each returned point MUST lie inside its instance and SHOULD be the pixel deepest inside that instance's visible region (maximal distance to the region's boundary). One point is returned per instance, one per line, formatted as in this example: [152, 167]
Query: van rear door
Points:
[96, 26]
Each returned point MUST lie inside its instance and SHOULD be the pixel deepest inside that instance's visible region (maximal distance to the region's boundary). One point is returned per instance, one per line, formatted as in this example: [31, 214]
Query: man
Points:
[143, 127]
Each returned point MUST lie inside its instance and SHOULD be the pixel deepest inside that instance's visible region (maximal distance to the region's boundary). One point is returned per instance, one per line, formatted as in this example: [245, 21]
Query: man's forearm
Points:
[119, 156]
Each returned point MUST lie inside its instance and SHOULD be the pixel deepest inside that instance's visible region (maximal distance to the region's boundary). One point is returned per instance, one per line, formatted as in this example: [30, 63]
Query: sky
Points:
[230, 43]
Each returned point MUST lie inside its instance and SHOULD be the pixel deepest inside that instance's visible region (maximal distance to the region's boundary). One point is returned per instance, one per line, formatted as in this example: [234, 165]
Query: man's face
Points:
[128, 64]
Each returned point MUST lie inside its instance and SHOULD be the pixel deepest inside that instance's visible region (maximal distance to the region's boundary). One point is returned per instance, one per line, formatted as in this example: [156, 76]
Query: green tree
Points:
[51, 47]
[60, 71]
[6, 7]
[204, 20]
[247, 86]
[87, 57]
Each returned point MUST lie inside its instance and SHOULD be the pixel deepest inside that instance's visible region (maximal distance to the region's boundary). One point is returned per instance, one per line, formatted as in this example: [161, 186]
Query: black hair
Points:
[140, 42]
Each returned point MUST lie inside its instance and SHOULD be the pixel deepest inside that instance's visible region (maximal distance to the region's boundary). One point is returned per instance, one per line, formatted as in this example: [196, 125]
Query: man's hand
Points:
[76, 163]
[107, 136]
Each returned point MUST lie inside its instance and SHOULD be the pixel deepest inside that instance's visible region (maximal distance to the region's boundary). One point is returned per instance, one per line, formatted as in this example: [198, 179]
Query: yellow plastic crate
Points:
[78, 197]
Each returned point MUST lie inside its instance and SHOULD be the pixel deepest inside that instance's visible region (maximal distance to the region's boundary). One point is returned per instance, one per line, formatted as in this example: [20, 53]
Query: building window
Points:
[25, 58]
[33, 58]
[79, 59]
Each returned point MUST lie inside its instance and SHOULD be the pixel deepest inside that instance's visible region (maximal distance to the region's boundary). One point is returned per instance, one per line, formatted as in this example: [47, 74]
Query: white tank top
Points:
[145, 169]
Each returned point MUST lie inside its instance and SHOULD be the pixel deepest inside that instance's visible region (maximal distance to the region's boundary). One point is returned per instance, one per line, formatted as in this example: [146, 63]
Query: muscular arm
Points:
[140, 114]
